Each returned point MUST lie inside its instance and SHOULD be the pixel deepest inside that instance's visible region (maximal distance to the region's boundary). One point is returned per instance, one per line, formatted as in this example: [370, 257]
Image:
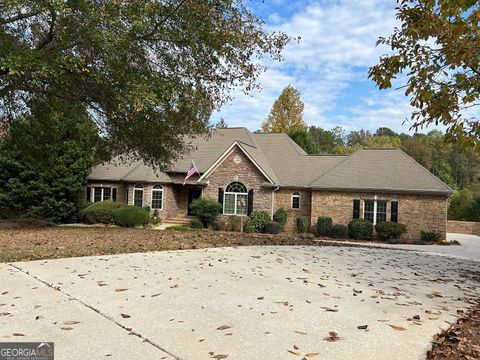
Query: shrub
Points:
[220, 224]
[273, 227]
[302, 224]
[360, 229]
[324, 225]
[280, 216]
[234, 223]
[196, 224]
[338, 231]
[390, 230]
[99, 212]
[258, 219]
[155, 218]
[249, 228]
[430, 236]
[180, 228]
[131, 216]
[206, 209]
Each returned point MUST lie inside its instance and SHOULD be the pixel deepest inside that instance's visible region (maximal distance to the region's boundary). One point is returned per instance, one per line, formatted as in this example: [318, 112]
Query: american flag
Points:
[192, 170]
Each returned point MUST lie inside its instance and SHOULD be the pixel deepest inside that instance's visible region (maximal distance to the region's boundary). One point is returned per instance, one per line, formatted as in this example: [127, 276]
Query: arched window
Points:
[296, 200]
[157, 197]
[138, 195]
[236, 199]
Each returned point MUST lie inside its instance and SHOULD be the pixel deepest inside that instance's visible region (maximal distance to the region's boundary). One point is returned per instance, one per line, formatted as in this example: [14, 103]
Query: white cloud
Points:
[336, 48]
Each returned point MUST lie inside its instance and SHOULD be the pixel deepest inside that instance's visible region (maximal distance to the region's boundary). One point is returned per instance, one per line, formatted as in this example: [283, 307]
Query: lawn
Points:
[35, 243]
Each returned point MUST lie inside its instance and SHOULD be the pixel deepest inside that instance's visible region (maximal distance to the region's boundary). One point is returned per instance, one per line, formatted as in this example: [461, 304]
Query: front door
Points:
[192, 195]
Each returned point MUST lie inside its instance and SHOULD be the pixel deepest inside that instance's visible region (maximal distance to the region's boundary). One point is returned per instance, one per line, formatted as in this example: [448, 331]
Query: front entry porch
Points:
[183, 197]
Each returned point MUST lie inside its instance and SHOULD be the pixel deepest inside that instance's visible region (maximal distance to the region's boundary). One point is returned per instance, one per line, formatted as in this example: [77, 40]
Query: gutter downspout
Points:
[273, 198]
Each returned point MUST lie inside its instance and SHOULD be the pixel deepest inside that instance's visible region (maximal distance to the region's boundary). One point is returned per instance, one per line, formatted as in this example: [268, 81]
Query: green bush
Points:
[234, 223]
[99, 212]
[196, 224]
[280, 216]
[360, 229]
[155, 218]
[131, 216]
[220, 224]
[273, 227]
[206, 209]
[324, 225]
[249, 229]
[430, 236]
[258, 219]
[390, 230]
[338, 231]
[302, 224]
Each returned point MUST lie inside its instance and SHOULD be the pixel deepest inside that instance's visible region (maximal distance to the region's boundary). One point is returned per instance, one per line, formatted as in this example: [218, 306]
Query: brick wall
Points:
[283, 198]
[245, 172]
[463, 227]
[169, 208]
[418, 212]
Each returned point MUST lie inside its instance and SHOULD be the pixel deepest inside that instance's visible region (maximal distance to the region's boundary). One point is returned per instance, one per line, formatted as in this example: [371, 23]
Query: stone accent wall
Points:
[283, 198]
[245, 172]
[463, 227]
[418, 212]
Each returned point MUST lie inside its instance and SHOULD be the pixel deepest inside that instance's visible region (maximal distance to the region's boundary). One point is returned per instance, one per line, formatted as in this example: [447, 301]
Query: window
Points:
[369, 210]
[157, 197]
[296, 200]
[102, 194]
[235, 200]
[375, 211]
[381, 211]
[138, 195]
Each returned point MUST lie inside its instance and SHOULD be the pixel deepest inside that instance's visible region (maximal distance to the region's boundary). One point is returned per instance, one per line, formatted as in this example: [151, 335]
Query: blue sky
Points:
[328, 66]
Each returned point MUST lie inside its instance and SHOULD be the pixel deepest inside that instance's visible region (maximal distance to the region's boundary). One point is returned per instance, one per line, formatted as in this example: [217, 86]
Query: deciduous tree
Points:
[287, 112]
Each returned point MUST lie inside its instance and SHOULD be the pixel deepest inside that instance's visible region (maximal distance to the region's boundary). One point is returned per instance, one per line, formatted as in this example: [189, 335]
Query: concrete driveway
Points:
[237, 303]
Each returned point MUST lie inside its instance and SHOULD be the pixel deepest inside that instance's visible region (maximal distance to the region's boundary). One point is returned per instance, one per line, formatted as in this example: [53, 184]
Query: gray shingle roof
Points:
[287, 165]
[381, 169]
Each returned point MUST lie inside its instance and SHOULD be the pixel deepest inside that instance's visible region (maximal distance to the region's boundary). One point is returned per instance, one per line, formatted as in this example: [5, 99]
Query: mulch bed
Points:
[36, 243]
[461, 341]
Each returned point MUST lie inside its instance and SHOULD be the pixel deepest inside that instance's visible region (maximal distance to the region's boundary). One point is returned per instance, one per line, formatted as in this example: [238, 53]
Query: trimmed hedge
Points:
[99, 212]
[324, 225]
[196, 224]
[338, 231]
[206, 209]
[258, 219]
[386, 230]
[280, 216]
[430, 236]
[360, 229]
[273, 227]
[302, 224]
[131, 216]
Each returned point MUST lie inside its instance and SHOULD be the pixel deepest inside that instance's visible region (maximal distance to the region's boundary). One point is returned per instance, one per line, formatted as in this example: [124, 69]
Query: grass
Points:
[35, 243]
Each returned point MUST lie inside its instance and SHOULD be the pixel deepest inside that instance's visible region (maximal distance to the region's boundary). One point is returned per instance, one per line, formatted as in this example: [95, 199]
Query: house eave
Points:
[389, 191]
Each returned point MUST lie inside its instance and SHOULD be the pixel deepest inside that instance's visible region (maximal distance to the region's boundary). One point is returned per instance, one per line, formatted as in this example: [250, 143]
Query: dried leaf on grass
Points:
[397, 327]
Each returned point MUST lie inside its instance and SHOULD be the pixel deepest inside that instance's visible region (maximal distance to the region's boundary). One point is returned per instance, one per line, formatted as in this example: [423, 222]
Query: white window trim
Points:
[102, 196]
[235, 198]
[295, 195]
[163, 197]
[138, 189]
[375, 209]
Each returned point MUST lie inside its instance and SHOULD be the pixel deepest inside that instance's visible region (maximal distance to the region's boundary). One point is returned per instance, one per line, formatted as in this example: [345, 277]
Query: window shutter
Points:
[114, 194]
[356, 209]
[250, 202]
[394, 211]
[89, 193]
[220, 199]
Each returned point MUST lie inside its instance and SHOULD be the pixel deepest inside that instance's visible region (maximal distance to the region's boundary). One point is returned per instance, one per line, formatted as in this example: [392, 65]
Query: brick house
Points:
[247, 171]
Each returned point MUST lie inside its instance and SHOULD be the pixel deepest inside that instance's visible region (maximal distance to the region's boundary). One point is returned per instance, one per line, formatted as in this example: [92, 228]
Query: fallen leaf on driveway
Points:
[71, 322]
[120, 290]
[329, 309]
[294, 352]
[301, 332]
[219, 356]
[125, 316]
[397, 327]
[312, 354]
[18, 334]
[362, 327]
[333, 336]
[66, 328]
[224, 327]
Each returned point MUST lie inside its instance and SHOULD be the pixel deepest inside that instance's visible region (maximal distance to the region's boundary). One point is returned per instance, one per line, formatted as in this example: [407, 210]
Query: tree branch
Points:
[160, 23]
[20, 17]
